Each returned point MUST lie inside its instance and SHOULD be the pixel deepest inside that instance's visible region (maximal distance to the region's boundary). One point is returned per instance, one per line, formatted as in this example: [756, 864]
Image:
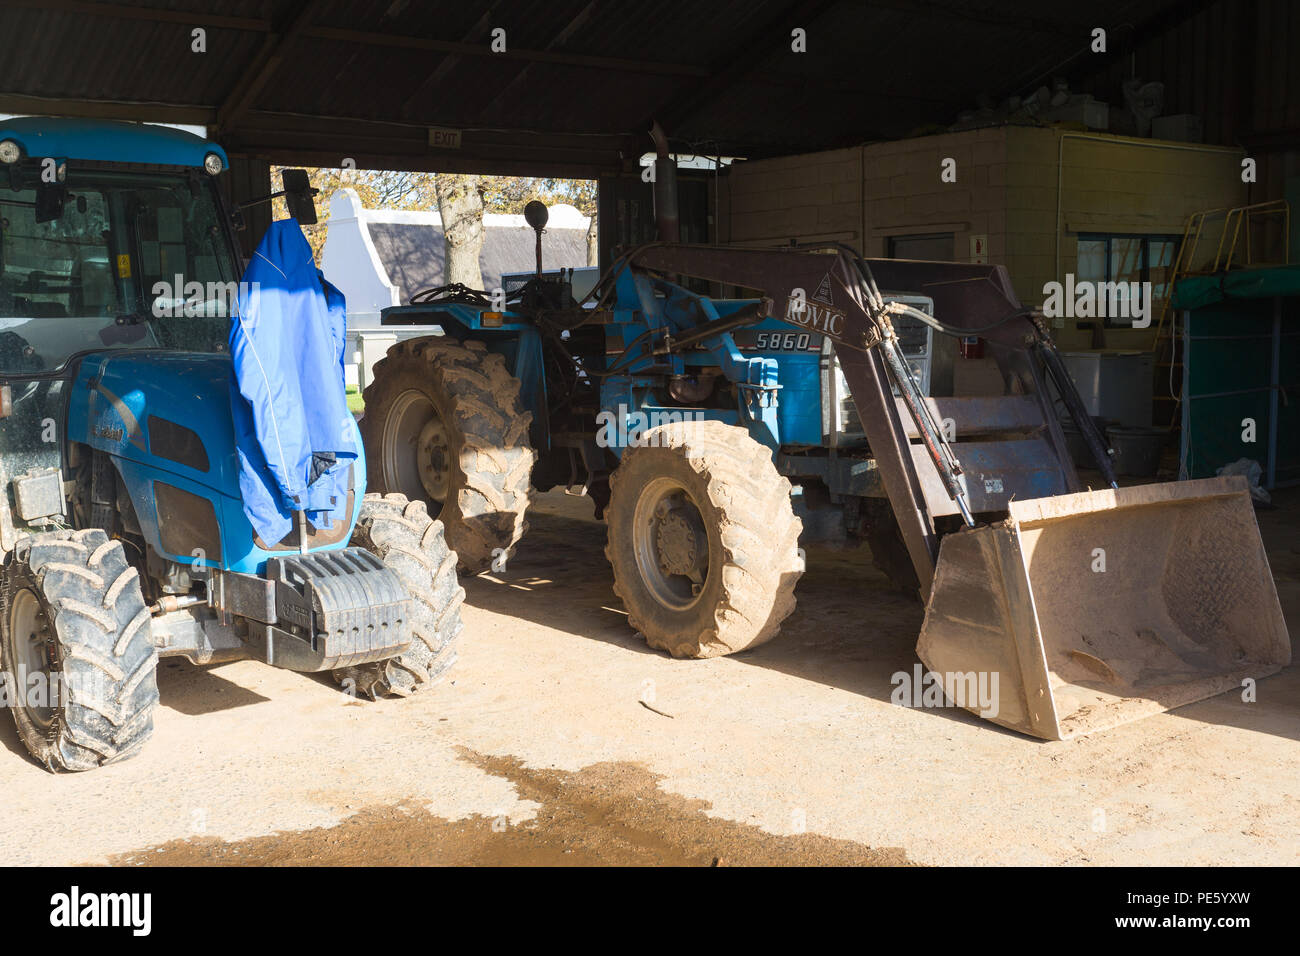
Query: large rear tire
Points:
[401, 534]
[73, 614]
[444, 425]
[703, 541]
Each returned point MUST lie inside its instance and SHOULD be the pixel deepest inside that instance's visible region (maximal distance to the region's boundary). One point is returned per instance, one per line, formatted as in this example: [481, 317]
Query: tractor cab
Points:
[115, 235]
[109, 258]
[85, 245]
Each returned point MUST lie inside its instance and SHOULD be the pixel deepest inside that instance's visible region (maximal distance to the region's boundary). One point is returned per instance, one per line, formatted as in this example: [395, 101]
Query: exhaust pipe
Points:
[667, 220]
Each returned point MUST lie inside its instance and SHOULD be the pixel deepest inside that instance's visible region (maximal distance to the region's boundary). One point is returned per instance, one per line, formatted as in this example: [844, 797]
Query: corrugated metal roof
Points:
[577, 83]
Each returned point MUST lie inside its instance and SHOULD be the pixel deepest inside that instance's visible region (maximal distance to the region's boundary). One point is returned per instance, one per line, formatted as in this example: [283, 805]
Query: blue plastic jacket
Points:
[293, 432]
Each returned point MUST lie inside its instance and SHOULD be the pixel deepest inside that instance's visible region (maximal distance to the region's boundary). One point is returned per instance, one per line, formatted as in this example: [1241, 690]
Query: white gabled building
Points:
[381, 257]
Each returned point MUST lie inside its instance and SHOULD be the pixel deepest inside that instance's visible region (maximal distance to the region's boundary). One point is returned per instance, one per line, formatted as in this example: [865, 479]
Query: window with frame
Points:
[1122, 257]
[933, 247]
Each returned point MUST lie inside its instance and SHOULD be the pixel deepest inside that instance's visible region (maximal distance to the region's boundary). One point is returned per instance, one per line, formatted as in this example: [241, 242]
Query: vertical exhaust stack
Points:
[665, 188]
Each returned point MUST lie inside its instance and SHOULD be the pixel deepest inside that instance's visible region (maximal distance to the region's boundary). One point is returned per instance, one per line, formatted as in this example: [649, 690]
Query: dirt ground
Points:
[559, 738]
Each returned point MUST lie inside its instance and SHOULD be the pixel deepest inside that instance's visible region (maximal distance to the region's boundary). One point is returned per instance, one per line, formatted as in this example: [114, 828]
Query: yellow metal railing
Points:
[1233, 223]
[1237, 221]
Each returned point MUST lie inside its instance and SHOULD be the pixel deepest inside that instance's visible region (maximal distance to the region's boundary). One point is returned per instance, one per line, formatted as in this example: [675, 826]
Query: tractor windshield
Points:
[109, 258]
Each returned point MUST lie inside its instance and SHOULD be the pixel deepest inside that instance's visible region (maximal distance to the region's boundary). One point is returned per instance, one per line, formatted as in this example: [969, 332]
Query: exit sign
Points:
[440, 138]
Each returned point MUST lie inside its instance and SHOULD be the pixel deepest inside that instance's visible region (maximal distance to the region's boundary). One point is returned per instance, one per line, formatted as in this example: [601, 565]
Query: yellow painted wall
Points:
[1108, 184]
[1006, 189]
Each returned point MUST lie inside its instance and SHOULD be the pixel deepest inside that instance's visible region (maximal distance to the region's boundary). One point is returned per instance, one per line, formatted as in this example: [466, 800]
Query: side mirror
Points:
[299, 196]
[50, 198]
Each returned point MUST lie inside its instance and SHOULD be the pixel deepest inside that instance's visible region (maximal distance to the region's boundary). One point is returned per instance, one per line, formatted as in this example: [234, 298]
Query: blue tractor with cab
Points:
[123, 528]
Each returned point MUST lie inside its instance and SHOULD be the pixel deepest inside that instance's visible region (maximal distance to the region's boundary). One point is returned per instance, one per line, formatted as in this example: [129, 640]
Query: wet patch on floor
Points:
[605, 814]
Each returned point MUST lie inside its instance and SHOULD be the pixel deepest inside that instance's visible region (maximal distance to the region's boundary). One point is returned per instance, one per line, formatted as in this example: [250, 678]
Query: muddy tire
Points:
[703, 541]
[73, 612]
[401, 534]
[444, 425]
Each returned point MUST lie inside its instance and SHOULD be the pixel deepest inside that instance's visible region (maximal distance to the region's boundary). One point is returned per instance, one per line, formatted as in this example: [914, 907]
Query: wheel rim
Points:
[416, 449]
[32, 641]
[671, 543]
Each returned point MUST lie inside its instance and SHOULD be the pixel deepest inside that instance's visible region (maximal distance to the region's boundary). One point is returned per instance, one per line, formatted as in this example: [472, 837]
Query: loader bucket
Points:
[1084, 611]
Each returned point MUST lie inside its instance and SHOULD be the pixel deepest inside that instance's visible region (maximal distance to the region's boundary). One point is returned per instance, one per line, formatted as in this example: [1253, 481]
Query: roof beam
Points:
[320, 141]
[449, 62]
[123, 11]
[849, 87]
[1055, 26]
[23, 104]
[120, 11]
[265, 63]
[620, 64]
[561, 37]
[744, 59]
[389, 145]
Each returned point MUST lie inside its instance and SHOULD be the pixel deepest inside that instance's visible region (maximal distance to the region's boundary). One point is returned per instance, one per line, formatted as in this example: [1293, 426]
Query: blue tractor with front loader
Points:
[716, 434]
[123, 527]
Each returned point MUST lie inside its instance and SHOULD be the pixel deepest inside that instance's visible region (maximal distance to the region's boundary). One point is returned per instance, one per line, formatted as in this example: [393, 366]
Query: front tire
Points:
[444, 425]
[74, 614]
[703, 541]
[401, 534]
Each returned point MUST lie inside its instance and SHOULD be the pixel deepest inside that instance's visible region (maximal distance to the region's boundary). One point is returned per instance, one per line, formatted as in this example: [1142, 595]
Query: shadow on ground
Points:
[194, 690]
[851, 630]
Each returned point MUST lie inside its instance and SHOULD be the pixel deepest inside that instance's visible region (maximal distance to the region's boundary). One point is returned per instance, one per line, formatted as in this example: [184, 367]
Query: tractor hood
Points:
[165, 418]
[167, 410]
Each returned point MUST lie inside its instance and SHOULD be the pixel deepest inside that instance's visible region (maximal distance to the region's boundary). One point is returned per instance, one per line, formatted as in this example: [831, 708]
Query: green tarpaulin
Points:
[1240, 336]
[1195, 292]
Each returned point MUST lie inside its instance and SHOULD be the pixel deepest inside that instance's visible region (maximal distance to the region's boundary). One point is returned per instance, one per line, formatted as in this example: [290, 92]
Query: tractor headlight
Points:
[212, 163]
[10, 152]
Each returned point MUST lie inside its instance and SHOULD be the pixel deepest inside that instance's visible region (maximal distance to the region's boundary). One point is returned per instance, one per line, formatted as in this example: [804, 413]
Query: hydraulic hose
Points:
[1082, 420]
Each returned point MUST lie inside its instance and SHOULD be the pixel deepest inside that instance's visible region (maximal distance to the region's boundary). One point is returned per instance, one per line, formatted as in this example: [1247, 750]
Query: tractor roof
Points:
[108, 141]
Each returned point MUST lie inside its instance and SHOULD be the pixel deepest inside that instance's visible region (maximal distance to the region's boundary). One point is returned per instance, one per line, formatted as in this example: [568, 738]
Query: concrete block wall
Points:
[907, 195]
[863, 195]
[804, 198]
[1006, 189]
